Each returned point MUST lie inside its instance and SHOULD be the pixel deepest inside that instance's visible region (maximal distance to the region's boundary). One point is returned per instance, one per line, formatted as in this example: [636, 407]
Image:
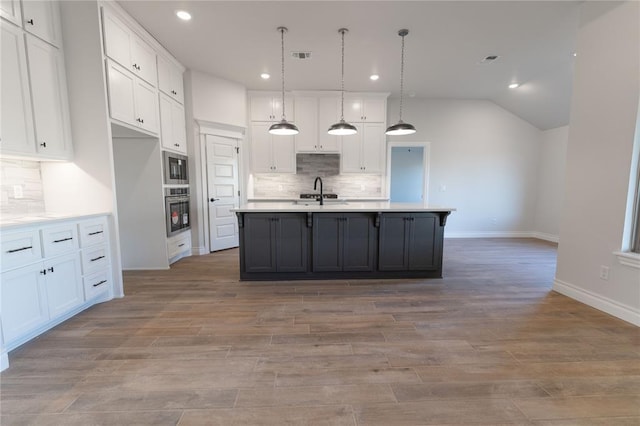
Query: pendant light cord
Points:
[282, 30]
[401, 77]
[342, 86]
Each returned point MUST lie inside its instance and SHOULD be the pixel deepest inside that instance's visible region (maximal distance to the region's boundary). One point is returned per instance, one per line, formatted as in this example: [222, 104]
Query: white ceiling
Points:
[238, 40]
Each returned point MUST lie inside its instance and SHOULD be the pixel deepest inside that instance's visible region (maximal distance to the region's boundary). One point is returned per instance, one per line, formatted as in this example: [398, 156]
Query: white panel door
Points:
[49, 95]
[24, 303]
[42, 18]
[16, 121]
[223, 183]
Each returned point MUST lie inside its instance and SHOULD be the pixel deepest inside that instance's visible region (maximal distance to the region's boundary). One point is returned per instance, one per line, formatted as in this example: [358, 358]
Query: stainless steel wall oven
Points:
[177, 210]
[176, 169]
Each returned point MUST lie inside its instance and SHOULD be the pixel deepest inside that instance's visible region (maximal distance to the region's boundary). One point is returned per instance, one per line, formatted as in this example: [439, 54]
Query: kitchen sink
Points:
[327, 202]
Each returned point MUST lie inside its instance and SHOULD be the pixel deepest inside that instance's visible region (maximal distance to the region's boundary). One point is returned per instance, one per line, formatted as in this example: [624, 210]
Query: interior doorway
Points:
[223, 185]
[408, 165]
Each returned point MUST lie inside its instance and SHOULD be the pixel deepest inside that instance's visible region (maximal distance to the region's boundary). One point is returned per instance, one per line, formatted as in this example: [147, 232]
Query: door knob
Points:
[213, 199]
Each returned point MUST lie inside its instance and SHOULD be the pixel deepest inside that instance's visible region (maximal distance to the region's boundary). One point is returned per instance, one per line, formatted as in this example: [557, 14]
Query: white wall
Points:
[599, 157]
[483, 162]
[551, 170]
[223, 103]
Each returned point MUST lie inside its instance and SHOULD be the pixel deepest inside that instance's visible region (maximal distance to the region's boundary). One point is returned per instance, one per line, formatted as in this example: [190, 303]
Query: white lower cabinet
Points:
[49, 273]
[179, 246]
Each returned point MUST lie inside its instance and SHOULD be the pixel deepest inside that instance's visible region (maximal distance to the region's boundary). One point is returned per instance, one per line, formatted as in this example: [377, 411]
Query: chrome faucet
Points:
[315, 184]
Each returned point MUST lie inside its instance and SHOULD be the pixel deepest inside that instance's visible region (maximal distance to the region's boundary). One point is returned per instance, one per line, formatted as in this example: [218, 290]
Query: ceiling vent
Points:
[301, 55]
[489, 59]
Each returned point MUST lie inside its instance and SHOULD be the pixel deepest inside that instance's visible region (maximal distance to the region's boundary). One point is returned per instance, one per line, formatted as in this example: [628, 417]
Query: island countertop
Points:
[340, 206]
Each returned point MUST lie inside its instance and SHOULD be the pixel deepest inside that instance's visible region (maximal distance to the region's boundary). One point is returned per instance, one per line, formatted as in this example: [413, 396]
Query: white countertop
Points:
[8, 222]
[332, 206]
[292, 199]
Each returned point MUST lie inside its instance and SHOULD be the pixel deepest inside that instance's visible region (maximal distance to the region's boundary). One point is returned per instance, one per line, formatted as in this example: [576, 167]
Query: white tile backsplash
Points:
[26, 176]
[327, 166]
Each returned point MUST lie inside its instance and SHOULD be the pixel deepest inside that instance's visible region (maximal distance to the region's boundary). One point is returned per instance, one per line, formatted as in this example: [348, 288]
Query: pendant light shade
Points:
[342, 128]
[283, 127]
[401, 128]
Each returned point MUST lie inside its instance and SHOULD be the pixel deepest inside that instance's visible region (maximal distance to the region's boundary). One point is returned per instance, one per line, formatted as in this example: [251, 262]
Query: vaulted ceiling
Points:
[238, 40]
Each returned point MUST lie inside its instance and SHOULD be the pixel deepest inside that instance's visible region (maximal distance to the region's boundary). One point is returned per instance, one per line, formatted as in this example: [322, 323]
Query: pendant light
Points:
[401, 128]
[342, 128]
[283, 127]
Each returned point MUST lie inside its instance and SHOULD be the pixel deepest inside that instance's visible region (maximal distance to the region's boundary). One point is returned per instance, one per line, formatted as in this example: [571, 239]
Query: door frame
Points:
[426, 156]
[205, 128]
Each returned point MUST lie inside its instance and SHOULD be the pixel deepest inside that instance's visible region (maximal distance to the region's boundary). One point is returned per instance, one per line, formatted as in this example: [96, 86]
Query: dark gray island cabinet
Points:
[327, 243]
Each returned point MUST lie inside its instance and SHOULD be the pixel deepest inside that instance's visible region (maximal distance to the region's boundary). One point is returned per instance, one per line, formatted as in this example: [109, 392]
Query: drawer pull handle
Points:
[96, 233]
[100, 283]
[180, 245]
[62, 240]
[97, 258]
[20, 249]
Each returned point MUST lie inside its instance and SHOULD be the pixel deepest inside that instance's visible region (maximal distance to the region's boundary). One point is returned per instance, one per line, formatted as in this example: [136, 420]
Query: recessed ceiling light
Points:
[184, 15]
[514, 86]
[264, 76]
[574, 54]
[374, 77]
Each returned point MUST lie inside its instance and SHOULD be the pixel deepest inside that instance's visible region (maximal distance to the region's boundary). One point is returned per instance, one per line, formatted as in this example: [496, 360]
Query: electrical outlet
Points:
[17, 191]
[604, 272]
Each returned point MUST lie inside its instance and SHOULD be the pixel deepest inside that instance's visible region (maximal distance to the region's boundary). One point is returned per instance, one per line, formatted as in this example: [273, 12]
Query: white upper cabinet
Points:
[269, 108]
[172, 125]
[125, 47]
[17, 132]
[306, 112]
[363, 109]
[50, 103]
[170, 79]
[364, 152]
[328, 114]
[42, 19]
[131, 100]
[10, 10]
[269, 153]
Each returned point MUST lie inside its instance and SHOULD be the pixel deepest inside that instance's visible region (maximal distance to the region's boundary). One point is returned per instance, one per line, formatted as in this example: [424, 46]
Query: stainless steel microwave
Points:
[176, 169]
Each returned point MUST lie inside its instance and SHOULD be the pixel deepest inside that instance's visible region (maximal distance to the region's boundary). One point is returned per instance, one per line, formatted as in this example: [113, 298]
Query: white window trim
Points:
[627, 258]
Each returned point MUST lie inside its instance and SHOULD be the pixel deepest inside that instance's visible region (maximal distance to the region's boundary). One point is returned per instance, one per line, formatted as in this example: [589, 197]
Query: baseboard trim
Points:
[503, 234]
[199, 251]
[4, 361]
[617, 309]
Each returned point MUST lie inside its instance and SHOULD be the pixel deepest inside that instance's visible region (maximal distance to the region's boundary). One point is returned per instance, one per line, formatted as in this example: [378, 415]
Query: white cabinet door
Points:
[24, 303]
[121, 93]
[170, 79]
[117, 39]
[269, 108]
[143, 59]
[16, 122]
[146, 106]
[328, 114]
[49, 94]
[364, 110]
[172, 124]
[283, 154]
[372, 147]
[42, 19]
[63, 284]
[351, 154]
[306, 112]
[261, 148]
[10, 10]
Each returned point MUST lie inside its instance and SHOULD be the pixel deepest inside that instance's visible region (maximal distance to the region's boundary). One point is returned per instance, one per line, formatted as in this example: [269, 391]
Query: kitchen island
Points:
[340, 240]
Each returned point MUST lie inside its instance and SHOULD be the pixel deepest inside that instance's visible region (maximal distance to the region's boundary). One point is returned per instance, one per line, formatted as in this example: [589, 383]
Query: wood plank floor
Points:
[488, 344]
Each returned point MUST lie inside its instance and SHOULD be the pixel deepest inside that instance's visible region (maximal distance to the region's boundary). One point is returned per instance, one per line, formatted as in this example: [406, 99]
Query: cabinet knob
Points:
[176, 144]
[43, 272]
[50, 269]
[214, 199]
[43, 144]
[30, 22]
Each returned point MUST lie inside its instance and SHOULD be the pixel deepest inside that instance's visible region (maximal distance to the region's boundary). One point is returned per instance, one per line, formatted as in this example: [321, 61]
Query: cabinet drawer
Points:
[59, 239]
[95, 259]
[179, 244]
[20, 248]
[93, 232]
[97, 284]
